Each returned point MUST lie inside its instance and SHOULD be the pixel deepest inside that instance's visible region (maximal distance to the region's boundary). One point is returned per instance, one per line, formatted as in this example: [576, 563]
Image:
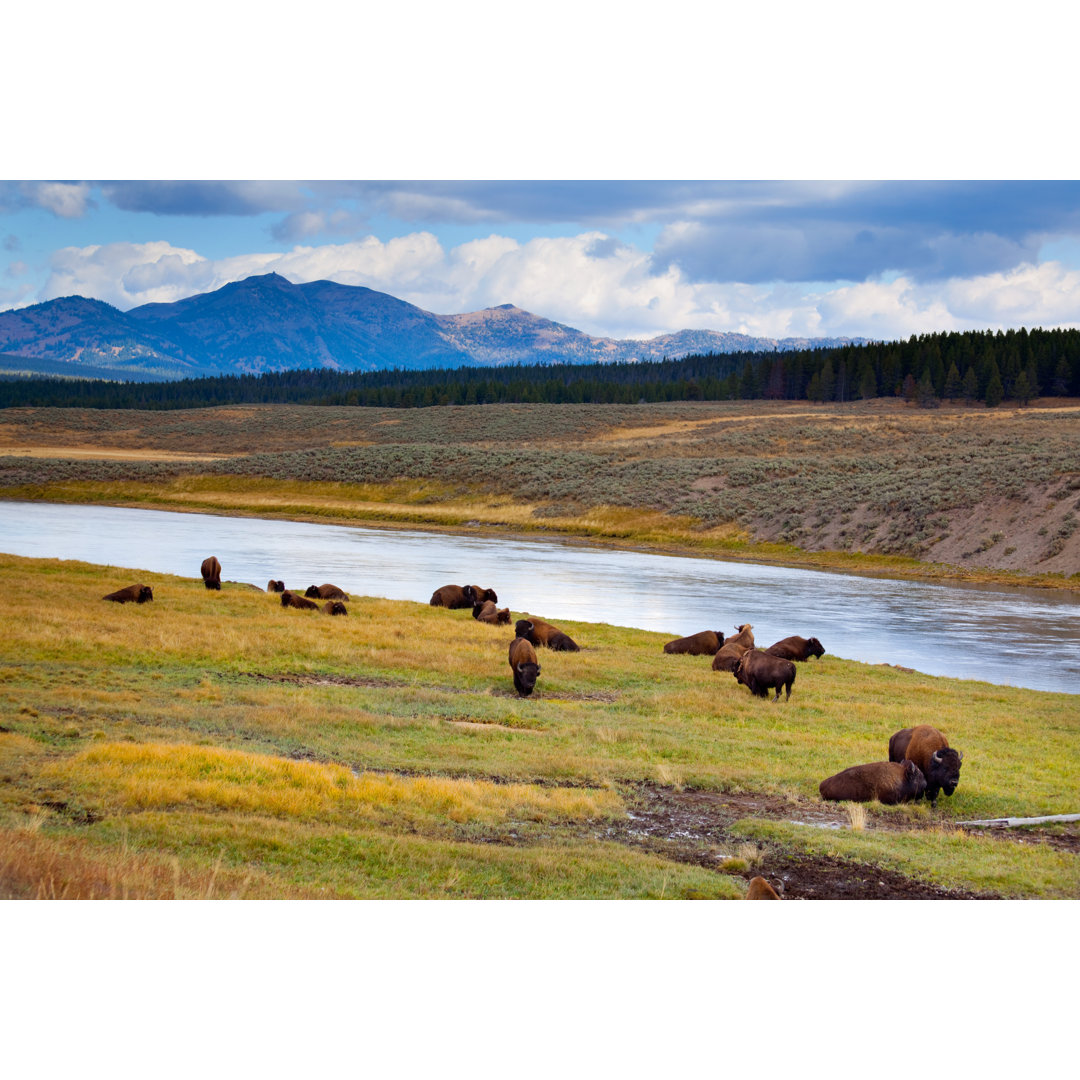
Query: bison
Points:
[760, 889]
[889, 782]
[211, 573]
[796, 648]
[727, 656]
[290, 599]
[275, 586]
[543, 633]
[487, 612]
[334, 607]
[524, 665]
[703, 644]
[930, 750]
[325, 592]
[453, 596]
[761, 673]
[139, 593]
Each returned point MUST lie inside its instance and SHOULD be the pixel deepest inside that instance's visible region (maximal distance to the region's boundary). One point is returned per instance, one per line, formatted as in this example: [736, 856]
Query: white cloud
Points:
[64, 200]
[586, 281]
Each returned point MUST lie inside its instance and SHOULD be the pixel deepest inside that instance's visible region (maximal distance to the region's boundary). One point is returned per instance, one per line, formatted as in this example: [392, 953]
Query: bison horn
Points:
[936, 759]
[959, 755]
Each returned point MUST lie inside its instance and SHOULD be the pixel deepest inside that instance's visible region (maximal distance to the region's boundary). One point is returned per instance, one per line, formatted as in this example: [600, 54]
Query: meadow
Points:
[216, 744]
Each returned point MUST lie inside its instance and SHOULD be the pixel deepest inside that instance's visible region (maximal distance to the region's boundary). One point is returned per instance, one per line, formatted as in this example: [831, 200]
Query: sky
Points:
[616, 258]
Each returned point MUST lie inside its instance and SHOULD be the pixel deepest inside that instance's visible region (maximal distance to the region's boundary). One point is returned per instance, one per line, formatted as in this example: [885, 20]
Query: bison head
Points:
[145, 593]
[944, 769]
[312, 592]
[914, 781]
[526, 677]
[523, 628]
[814, 647]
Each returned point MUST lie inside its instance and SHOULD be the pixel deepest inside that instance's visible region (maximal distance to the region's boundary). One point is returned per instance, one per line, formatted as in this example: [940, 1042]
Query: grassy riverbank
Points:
[215, 743]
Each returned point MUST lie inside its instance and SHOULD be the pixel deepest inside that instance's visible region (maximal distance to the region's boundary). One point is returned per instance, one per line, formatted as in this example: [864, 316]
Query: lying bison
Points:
[544, 634]
[137, 593]
[930, 750]
[796, 648]
[887, 781]
[704, 643]
[290, 599]
[760, 889]
[524, 665]
[211, 573]
[487, 612]
[275, 586]
[325, 592]
[461, 596]
[761, 673]
[334, 607]
[727, 656]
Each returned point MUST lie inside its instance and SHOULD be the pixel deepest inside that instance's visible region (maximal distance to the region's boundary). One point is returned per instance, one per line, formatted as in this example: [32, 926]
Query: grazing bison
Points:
[211, 573]
[930, 750]
[727, 656]
[762, 673]
[704, 644]
[325, 592]
[543, 633]
[139, 593]
[275, 586]
[334, 607]
[760, 889]
[524, 665]
[290, 599]
[887, 781]
[453, 596]
[487, 612]
[797, 648]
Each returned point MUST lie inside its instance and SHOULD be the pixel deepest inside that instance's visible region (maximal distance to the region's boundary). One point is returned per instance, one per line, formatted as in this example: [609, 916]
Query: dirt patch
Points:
[321, 680]
[476, 725]
[98, 453]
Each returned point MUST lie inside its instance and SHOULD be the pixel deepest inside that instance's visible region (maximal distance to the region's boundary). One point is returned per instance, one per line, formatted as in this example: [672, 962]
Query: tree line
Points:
[973, 366]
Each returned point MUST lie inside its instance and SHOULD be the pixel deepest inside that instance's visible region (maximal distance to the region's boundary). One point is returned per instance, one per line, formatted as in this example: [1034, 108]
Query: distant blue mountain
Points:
[266, 323]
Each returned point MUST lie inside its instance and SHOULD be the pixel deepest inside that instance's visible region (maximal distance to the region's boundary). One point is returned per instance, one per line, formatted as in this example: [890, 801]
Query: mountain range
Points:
[267, 323]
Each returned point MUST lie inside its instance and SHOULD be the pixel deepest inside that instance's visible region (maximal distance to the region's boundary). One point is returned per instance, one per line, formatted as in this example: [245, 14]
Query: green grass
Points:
[385, 754]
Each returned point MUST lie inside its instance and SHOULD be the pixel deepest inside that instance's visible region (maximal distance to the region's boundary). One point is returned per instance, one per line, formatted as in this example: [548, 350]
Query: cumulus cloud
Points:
[589, 282]
[62, 199]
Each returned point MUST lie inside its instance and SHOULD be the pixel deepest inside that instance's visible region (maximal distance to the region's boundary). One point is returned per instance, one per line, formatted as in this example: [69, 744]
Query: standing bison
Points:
[761, 673]
[524, 665]
[930, 750]
[703, 644]
[140, 594]
[887, 781]
[542, 633]
[727, 656]
[796, 648]
[211, 573]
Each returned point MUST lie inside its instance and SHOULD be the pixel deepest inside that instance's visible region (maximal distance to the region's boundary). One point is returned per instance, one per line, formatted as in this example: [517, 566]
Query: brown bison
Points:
[290, 599]
[703, 644]
[544, 634]
[760, 889]
[275, 586]
[211, 573]
[487, 612]
[727, 656]
[761, 673]
[887, 781]
[930, 750]
[524, 665]
[137, 593]
[334, 607]
[325, 592]
[454, 596]
[796, 648]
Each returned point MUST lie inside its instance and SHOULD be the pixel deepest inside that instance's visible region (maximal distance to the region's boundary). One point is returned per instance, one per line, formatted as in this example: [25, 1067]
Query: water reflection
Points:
[992, 634]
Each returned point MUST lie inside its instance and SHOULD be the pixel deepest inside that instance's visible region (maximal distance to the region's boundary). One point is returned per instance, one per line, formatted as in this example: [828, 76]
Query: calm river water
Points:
[1021, 637]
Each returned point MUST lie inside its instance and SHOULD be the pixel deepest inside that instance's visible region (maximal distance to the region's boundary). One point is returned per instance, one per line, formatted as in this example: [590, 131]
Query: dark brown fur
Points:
[481, 595]
[211, 573]
[930, 750]
[334, 607]
[543, 634]
[487, 612]
[452, 596]
[325, 592]
[137, 593]
[704, 643]
[728, 654]
[290, 599]
[275, 586]
[889, 782]
[760, 889]
[524, 665]
[761, 673]
[796, 648]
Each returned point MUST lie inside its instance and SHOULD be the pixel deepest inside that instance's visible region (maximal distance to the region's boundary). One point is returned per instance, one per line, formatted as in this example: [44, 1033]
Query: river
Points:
[1018, 637]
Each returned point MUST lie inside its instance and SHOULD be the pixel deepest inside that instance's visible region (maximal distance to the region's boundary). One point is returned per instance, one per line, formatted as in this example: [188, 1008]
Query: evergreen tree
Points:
[1022, 388]
[924, 392]
[910, 391]
[994, 390]
[867, 381]
[828, 380]
[953, 385]
[813, 388]
[1062, 374]
[971, 385]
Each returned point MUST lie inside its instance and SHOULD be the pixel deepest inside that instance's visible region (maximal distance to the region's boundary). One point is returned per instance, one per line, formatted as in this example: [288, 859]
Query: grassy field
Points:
[957, 492]
[216, 744]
